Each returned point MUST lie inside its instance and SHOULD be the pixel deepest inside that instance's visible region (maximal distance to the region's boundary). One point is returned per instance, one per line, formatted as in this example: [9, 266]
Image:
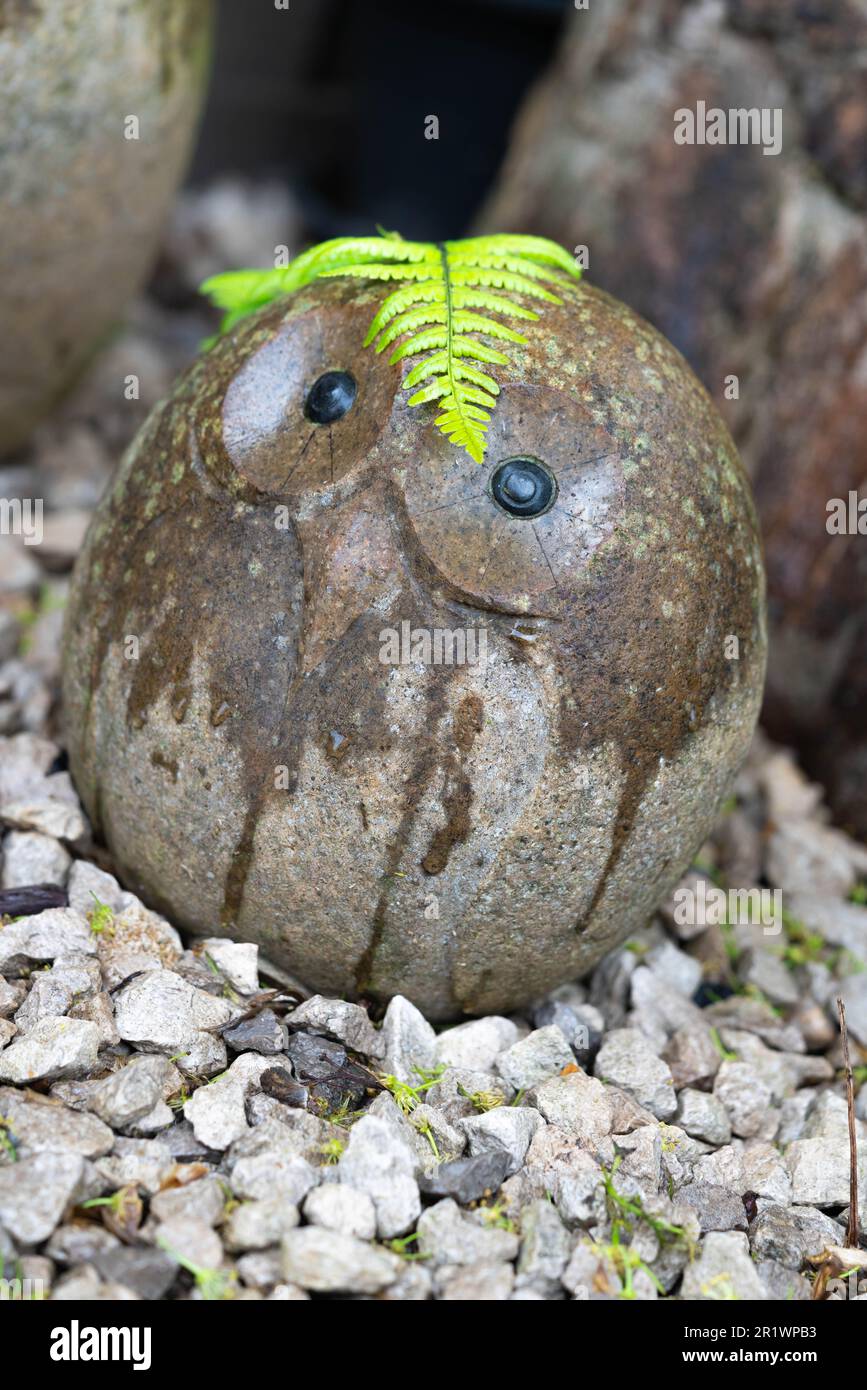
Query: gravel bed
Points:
[179, 1121]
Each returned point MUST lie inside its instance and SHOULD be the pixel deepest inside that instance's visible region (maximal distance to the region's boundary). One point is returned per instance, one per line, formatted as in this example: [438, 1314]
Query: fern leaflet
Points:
[452, 309]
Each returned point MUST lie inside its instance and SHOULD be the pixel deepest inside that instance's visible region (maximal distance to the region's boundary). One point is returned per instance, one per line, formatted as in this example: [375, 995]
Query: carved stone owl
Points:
[272, 738]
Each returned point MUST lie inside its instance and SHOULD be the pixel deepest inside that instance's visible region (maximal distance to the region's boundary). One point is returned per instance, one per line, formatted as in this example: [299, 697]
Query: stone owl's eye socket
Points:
[523, 486]
[330, 397]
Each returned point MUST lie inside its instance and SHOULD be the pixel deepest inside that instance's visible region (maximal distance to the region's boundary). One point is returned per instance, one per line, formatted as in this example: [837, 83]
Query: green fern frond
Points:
[433, 314]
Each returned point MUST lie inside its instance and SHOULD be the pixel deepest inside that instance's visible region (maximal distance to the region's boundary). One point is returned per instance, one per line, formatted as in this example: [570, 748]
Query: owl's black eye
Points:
[523, 486]
[330, 397]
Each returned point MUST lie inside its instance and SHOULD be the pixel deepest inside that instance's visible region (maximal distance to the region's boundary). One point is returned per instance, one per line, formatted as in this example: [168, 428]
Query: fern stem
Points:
[450, 328]
[443, 249]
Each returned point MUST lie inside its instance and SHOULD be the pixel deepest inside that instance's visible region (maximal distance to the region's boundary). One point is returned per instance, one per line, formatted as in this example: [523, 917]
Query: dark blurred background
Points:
[331, 97]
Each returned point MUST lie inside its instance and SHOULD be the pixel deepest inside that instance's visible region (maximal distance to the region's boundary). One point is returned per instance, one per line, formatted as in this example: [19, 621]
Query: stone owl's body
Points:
[260, 758]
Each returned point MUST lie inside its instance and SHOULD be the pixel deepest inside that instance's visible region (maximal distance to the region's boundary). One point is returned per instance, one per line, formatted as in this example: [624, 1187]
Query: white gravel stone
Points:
[762, 968]
[692, 1055]
[52, 992]
[765, 1171]
[408, 1040]
[43, 937]
[803, 856]
[259, 1224]
[19, 570]
[413, 1284]
[36, 1191]
[47, 997]
[87, 883]
[328, 1262]
[703, 1116]
[378, 1161]
[555, 1164]
[261, 1269]
[192, 1238]
[267, 1162]
[723, 1270]
[99, 1010]
[590, 1272]
[204, 1199]
[507, 1130]
[545, 1248]
[626, 1060]
[344, 1022]
[54, 1048]
[217, 1111]
[286, 1128]
[791, 1234]
[790, 796]
[48, 815]
[24, 760]
[12, 996]
[542, 1054]
[476, 1283]
[679, 1155]
[133, 1091]
[338, 1207]
[819, 1170]
[837, 921]
[160, 1012]
[144, 1163]
[685, 931]
[659, 1009]
[451, 1095]
[745, 1096]
[79, 1242]
[476, 1045]
[723, 1167]
[450, 1237]
[577, 1104]
[238, 961]
[43, 1124]
[32, 858]
[782, 1071]
[641, 1155]
[139, 941]
[79, 971]
[430, 1127]
[680, 971]
[716, 1208]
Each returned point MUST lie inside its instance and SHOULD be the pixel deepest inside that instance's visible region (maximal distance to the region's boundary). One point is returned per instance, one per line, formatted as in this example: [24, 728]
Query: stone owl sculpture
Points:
[262, 720]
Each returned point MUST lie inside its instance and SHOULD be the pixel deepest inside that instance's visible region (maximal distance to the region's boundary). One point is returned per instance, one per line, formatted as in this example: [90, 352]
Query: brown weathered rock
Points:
[83, 204]
[468, 835]
[753, 265]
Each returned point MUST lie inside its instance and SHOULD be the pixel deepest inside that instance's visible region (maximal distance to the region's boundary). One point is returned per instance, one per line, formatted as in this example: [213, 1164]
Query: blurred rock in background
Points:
[99, 109]
[754, 265]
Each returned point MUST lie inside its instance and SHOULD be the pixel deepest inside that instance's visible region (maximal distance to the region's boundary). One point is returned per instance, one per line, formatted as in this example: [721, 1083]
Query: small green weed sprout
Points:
[406, 1096]
[100, 917]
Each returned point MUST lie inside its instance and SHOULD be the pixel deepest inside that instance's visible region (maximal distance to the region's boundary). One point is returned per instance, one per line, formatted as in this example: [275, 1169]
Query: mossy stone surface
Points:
[467, 835]
[82, 204]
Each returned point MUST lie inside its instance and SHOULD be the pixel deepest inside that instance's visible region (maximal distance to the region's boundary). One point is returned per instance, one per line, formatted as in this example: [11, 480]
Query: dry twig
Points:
[852, 1227]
